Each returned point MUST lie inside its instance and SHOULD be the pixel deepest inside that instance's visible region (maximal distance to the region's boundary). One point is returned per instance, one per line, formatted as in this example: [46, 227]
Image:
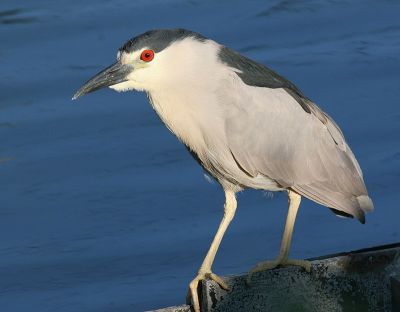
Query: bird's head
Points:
[157, 59]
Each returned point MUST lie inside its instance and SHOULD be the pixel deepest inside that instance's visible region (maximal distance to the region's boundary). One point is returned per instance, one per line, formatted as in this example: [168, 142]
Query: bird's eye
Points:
[147, 55]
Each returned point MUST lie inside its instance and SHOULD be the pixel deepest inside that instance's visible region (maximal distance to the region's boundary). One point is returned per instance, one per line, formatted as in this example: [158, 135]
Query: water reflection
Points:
[14, 17]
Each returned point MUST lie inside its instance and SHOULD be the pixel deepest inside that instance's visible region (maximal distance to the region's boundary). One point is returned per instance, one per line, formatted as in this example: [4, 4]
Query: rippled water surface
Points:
[102, 209]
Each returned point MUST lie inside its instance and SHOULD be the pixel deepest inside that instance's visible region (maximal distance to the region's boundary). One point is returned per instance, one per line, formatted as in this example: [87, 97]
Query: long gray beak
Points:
[112, 75]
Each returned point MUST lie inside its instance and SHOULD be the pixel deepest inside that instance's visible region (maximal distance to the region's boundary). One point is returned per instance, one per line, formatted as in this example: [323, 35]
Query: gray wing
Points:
[300, 152]
[271, 135]
[274, 130]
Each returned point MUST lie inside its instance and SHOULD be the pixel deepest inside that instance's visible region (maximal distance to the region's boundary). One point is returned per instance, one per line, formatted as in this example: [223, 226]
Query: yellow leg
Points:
[294, 203]
[205, 268]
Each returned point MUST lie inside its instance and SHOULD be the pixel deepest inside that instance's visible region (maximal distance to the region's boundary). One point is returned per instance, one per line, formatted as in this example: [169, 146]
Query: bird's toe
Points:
[193, 297]
[262, 266]
[305, 264]
[272, 264]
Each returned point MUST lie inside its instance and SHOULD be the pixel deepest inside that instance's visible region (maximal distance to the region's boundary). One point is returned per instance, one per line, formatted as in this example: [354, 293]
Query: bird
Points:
[246, 125]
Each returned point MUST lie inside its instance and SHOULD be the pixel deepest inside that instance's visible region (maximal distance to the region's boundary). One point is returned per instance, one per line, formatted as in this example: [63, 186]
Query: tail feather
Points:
[365, 203]
[341, 204]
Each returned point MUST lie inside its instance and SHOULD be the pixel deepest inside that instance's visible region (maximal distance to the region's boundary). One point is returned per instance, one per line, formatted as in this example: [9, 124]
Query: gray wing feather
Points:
[301, 151]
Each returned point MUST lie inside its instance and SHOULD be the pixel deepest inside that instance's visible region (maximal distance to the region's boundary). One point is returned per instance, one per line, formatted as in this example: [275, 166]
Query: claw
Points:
[192, 295]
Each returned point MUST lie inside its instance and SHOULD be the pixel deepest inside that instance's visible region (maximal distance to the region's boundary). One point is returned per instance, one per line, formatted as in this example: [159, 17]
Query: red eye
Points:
[147, 55]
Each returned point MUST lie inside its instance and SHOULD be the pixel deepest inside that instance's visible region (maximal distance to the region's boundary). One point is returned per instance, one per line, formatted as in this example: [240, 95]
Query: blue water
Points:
[102, 209]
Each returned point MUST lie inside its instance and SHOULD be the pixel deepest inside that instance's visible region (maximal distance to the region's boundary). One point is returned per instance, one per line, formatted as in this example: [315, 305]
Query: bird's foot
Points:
[193, 297]
[268, 265]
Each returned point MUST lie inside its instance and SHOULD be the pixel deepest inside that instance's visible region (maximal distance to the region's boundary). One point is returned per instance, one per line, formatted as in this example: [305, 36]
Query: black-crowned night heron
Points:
[246, 125]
